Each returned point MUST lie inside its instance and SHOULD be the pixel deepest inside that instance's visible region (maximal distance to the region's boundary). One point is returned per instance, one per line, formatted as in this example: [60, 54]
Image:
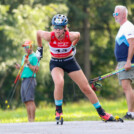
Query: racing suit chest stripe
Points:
[60, 48]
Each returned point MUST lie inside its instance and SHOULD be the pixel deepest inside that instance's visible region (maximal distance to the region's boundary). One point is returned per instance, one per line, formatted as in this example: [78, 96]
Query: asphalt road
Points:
[69, 127]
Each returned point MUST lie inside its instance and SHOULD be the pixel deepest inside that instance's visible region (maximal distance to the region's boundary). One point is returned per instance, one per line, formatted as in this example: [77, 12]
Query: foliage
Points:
[79, 111]
[20, 25]
[20, 20]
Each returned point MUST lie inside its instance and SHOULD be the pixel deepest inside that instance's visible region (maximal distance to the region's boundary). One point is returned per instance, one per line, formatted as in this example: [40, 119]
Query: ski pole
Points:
[18, 75]
[99, 78]
[15, 85]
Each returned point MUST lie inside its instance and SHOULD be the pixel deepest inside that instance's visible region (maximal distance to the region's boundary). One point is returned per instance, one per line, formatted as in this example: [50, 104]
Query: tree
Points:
[16, 27]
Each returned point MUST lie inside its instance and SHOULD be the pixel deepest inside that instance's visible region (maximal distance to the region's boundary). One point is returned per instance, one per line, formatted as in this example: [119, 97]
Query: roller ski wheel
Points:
[118, 119]
[59, 118]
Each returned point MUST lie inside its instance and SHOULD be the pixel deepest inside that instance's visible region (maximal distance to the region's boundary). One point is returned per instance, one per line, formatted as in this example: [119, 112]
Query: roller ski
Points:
[109, 118]
[59, 118]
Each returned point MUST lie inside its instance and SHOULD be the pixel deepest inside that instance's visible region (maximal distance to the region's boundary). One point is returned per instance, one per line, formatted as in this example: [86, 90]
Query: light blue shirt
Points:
[27, 72]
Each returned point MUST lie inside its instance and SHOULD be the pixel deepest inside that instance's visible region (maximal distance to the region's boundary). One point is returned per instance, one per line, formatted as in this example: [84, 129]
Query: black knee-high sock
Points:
[100, 111]
[59, 109]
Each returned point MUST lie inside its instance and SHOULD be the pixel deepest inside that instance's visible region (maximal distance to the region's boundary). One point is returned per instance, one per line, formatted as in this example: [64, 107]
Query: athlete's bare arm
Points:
[43, 35]
[74, 37]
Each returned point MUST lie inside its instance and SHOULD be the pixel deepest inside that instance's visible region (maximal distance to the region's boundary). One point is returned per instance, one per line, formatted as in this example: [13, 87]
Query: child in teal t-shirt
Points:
[27, 72]
[31, 67]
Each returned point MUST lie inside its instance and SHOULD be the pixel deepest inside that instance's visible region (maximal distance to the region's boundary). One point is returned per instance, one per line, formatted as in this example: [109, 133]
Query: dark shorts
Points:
[67, 64]
[28, 89]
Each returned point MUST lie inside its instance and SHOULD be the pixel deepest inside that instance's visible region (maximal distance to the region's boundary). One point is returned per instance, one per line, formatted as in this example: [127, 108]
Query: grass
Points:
[80, 111]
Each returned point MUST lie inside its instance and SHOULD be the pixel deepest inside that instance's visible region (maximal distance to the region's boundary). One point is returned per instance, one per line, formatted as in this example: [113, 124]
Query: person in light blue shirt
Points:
[124, 53]
[28, 75]
[28, 70]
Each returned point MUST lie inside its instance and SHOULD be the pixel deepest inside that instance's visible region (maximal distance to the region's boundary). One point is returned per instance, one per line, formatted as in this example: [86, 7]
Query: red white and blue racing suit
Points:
[61, 54]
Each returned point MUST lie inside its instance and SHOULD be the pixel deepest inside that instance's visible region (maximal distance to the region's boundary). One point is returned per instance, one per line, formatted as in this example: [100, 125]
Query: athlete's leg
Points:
[79, 78]
[58, 78]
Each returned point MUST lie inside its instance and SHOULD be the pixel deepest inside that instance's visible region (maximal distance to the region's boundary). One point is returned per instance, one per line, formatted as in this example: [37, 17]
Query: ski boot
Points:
[59, 118]
[109, 118]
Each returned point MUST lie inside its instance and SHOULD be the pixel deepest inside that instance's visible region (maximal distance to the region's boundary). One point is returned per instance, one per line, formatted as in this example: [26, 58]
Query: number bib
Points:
[60, 48]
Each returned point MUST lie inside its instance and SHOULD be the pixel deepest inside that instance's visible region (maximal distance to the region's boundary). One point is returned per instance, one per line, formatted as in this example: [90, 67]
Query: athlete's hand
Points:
[39, 52]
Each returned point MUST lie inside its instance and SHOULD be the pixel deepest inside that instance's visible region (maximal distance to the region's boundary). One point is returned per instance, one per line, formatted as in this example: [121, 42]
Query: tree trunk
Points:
[86, 26]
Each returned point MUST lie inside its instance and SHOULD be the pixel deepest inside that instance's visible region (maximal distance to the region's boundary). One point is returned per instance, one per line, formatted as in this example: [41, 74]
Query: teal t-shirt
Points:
[27, 72]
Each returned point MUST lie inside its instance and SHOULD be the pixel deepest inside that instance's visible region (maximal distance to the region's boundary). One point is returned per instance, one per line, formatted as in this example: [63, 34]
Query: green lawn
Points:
[79, 111]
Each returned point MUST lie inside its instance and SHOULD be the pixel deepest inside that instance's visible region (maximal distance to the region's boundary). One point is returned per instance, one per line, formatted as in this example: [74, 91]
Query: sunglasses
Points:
[59, 27]
[115, 14]
[27, 47]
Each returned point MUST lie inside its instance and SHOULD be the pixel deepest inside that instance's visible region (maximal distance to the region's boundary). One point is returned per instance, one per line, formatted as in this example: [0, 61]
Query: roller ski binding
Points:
[59, 118]
[109, 118]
